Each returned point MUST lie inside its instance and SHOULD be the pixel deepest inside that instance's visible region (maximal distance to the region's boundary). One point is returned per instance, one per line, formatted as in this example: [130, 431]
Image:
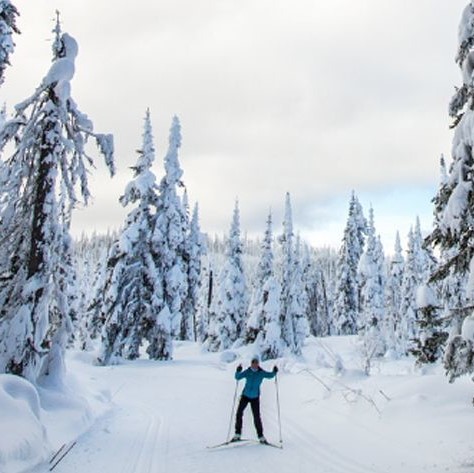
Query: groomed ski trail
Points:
[166, 414]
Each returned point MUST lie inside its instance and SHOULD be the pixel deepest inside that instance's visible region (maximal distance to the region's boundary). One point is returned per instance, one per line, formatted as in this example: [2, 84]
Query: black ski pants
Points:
[257, 421]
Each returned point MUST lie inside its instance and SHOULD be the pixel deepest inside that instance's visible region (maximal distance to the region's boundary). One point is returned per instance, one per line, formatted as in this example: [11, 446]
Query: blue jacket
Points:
[253, 380]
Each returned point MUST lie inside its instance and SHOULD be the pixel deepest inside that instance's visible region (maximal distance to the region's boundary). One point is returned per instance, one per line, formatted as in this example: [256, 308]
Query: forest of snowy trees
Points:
[159, 278]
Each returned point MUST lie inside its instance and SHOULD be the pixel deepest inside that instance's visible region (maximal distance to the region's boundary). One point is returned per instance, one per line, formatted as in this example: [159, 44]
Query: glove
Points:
[239, 369]
[275, 369]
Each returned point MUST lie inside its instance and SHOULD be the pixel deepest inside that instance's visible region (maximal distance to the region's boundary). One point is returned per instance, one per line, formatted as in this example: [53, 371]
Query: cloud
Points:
[315, 98]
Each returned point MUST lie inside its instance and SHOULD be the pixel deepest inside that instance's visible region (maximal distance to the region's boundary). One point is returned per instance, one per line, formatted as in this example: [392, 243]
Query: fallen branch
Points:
[306, 370]
[359, 393]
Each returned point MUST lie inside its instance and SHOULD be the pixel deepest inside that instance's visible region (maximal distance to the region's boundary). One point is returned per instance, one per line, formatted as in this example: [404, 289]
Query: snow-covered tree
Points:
[298, 302]
[372, 300]
[459, 356]
[317, 307]
[453, 230]
[258, 299]
[38, 190]
[205, 297]
[269, 340]
[263, 324]
[451, 282]
[133, 295]
[229, 306]
[346, 296]
[428, 347]
[287, 266]
[294, 300]
[94, 257]
[186, 330]
[195, 248]
[8, 16]
[418, 266]
[169, 244]
[393, 299]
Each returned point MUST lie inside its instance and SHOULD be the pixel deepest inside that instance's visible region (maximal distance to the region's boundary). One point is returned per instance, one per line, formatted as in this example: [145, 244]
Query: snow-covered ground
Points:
[148, 416]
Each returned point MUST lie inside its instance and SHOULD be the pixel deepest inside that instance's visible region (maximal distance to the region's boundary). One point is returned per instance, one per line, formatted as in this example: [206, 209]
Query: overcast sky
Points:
[313, 97]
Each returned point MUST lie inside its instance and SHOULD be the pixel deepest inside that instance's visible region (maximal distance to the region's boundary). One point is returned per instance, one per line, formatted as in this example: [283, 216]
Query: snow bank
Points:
[71, 406]
[36, 420]
[26, 442]
[228, 356]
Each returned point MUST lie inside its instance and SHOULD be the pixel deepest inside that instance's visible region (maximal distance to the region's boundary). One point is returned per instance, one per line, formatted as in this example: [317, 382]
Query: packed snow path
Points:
[166, 414]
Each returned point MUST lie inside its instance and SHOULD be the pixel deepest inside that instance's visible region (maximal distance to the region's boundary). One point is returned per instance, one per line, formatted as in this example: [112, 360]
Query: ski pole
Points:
[233, 409]
[278, 407]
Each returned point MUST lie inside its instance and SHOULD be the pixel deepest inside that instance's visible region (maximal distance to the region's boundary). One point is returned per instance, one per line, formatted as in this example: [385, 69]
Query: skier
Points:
[254, 375]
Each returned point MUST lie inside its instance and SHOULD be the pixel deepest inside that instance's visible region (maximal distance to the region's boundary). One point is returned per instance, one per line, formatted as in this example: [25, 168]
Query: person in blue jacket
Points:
[254, 375]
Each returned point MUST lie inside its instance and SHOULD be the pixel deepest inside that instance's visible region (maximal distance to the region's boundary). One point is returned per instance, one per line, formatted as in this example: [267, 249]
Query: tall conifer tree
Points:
[194, 249]
[393, 300]
[346, 303]
[39, 189]
[453, 232]
[418, 265]
[169, 243]
[133, 294]
[372, 279]
[287, 266]
[298, 301]
[229, 306]
[263, 325]
[265, 270]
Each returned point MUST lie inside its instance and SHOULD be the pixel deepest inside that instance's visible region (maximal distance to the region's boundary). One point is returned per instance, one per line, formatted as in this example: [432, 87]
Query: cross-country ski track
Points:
[164, 415]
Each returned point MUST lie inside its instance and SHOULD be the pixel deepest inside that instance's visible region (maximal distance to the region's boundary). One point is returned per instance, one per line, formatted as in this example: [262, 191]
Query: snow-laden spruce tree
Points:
[428, 347]
[132, 295]
[229, 305]
[83, 288]
[169, 246]
[205, 294]
[98, 254]
[265, 270]
[195, 248]
[287, 267]
[452, 284]
[393, 300]
[269, 340]
[453, 232]
[372, 298]
[186, 329]
[294, 300]
[419, 264]
[66, 271]
[263, 324]
[297, 310]
[8, 16]
[48, 134]
[317, 307]
[346, 294]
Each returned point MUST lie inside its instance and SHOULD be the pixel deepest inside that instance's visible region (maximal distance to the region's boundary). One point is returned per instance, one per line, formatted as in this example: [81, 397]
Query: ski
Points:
[230, 442]
[270, 444]
[246, 442]
[64, 451]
